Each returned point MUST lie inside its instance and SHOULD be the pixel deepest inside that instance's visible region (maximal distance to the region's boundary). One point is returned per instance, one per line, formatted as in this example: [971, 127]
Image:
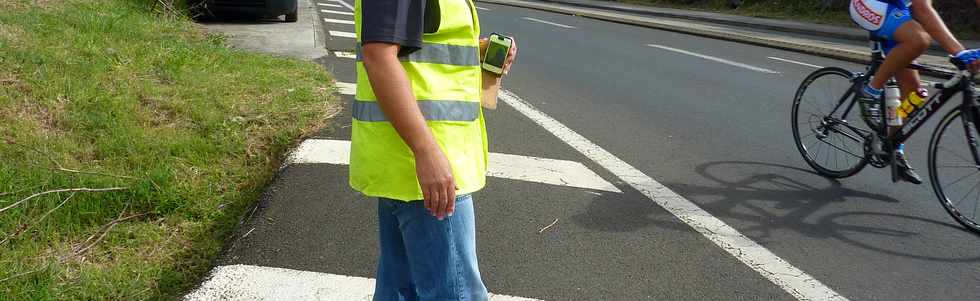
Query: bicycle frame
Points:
[958, 83]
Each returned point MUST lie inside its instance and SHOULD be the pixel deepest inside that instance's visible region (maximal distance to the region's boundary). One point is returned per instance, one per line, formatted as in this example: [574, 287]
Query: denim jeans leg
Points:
[442, 254]
[394, 281]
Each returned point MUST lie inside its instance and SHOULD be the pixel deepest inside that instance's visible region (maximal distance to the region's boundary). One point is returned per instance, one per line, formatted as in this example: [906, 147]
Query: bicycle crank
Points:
[876, 157]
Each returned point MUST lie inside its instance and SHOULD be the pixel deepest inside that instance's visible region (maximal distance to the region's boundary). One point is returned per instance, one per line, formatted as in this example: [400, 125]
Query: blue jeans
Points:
[423, 258]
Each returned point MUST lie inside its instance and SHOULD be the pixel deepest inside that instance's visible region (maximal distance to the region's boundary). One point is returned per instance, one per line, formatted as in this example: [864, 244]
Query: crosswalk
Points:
[249, 282]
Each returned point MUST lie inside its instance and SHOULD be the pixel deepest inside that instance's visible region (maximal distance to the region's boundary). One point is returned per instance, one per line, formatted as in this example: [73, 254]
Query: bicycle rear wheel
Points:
[822, 129]
[954, 172]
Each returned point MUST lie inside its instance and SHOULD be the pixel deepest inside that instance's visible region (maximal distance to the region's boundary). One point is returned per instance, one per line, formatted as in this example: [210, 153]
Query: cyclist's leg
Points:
[911, 42]
[932, 23]
[908, 81]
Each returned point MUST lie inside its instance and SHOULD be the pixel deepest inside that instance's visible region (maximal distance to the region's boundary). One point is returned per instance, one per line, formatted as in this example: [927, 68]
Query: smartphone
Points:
[497, 50]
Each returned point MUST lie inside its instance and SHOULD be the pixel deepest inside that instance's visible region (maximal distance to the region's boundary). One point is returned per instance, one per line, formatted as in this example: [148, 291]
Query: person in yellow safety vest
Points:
[419, 143]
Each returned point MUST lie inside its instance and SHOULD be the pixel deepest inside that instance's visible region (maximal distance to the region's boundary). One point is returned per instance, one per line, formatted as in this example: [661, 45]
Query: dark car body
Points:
[265, 8]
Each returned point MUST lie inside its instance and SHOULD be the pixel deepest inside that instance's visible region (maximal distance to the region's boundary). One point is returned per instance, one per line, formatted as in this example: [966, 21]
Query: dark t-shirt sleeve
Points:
[399, 22]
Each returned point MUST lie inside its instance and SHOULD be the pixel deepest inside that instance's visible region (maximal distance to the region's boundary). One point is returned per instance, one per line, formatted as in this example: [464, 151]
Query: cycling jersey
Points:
[881, 18]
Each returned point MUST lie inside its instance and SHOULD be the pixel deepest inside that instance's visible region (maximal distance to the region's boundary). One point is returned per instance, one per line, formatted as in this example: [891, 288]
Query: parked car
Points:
[263, 8]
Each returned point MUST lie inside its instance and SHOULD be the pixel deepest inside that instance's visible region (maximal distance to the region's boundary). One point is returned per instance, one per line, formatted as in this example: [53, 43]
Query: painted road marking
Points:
[348, 6]
[345, 54]
[547, 171]
[549, 23]
[328, 5]
[483, 8]
[346, 13]
[346, 88]
[342, 34]
[329, 20]
[514, 167]
[711, 58]
[794, 62]
[782, 273]
[249, 282]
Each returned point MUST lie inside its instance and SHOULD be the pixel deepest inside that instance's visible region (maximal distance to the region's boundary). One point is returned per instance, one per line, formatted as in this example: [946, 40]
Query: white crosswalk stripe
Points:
[329, 20]
[342, 34]
[345, 54]
[336, 12]
[249, 282]
[505, 166]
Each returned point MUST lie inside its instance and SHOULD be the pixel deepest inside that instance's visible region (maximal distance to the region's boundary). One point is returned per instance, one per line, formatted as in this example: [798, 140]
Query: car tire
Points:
[198, 11]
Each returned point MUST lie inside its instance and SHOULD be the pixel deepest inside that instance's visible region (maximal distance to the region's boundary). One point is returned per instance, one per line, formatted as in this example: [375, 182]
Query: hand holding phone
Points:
[498, 48]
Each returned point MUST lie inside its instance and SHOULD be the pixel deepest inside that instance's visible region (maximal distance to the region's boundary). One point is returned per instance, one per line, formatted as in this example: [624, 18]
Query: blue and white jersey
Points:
[872, 15]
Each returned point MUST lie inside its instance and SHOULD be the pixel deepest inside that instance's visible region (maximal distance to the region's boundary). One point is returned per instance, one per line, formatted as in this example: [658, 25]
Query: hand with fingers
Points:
[971, 58]
[436, 179]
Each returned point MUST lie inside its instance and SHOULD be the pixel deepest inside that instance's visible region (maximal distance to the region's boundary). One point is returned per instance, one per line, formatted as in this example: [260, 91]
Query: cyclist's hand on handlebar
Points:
[971, 58]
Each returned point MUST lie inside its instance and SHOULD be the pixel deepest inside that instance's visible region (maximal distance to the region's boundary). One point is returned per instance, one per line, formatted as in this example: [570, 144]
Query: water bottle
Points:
[914, 101]
[891, 105]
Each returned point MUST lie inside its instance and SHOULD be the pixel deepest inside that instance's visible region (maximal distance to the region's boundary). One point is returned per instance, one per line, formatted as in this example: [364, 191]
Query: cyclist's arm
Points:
[925, 14]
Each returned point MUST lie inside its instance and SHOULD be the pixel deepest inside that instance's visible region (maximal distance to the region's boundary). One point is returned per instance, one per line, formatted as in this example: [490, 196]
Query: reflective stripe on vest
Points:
[445, 78]
[432, 110]
[438, 54]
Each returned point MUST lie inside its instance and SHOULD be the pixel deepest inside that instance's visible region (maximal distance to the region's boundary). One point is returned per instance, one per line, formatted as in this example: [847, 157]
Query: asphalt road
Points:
[717, 134]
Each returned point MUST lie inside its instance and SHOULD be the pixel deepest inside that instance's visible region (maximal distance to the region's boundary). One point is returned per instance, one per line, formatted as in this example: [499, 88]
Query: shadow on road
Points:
[763, 198]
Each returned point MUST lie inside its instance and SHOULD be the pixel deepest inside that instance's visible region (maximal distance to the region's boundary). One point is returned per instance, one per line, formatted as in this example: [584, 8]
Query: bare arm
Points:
[394, 92]
[926, 15]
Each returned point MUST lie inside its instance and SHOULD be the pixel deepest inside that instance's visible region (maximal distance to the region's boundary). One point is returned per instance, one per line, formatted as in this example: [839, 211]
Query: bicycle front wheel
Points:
[954, 171]
[826, 124]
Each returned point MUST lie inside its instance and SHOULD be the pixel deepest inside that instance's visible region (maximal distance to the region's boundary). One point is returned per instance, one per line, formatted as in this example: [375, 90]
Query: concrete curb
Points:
[821, 30]
[819, 50]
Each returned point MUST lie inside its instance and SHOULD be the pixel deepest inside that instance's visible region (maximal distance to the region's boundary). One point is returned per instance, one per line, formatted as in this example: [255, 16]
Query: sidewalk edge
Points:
[834, 53]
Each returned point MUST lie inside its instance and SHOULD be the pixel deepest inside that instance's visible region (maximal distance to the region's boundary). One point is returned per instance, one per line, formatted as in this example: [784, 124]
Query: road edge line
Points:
[794, 281]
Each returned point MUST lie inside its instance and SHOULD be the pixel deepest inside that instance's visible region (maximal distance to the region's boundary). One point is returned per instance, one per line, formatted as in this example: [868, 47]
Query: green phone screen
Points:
[496, 53]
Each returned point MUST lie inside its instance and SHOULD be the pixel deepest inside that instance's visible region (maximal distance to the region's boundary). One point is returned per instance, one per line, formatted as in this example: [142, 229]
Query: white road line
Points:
[346, 13]
[329, 20]
[328, 5]
[549, 23]
[547, 171]
[483, 8]
[346, 88]
[782, 273]
[794, 62]
[342, 34]
[711, 58]
[514, 167]
[345, 54]
[348, 6]
[249, 282]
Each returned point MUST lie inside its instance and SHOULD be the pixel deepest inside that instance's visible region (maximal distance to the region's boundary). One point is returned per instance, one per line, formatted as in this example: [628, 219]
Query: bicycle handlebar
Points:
[958, 63]
[963, 73]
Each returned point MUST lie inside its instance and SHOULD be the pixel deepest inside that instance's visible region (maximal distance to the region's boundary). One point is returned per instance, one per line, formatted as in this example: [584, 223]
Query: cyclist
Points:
[907, 27]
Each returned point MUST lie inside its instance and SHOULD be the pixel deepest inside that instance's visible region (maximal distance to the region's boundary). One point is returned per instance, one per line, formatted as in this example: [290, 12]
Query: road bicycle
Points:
[825, 111]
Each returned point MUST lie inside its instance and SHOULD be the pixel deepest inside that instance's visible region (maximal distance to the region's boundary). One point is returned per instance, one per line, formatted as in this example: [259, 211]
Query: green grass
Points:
[138, 99]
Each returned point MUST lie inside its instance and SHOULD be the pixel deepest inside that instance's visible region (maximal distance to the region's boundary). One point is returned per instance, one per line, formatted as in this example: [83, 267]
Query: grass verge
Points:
[104, 94]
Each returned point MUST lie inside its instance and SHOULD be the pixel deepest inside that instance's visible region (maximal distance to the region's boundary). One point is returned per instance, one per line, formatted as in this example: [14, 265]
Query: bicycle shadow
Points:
[773, 197]
[777, 201]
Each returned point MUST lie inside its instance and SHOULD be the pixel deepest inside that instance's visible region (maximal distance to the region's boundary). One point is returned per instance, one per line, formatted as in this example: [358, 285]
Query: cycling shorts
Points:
[881, 18]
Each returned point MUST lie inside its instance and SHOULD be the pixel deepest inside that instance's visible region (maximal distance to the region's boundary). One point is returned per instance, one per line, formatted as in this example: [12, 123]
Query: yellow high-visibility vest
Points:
[446, 80]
